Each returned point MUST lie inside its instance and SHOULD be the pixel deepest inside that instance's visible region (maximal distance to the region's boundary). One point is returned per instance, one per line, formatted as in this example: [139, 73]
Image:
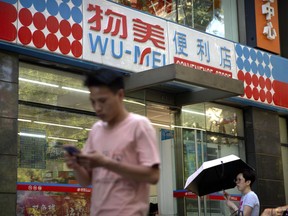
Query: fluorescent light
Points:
[193, 112]
[64, 139]
[24, 120]
[88, 129]
[32, 135]
[161, 125]
[76, 90]
[58, 125]
[38, 82]
[134, 102]
[183, 127]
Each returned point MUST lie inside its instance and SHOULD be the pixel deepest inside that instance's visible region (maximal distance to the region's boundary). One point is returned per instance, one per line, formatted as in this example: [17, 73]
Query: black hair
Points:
[249, 174]
[114, 80]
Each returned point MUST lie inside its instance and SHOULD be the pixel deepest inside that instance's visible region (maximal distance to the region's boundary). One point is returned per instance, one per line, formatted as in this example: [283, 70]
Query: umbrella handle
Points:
[222, 173]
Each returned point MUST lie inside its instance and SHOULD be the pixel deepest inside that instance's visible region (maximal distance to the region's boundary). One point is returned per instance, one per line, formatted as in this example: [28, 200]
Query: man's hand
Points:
[92, 160]
[71, 161]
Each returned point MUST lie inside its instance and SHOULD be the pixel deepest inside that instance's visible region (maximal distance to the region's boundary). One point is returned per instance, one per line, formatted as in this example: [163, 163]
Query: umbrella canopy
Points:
[216, 175]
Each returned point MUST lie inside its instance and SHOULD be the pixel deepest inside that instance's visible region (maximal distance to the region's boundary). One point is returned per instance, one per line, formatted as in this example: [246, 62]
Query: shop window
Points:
[54, 109]
[217, 17]
[215, 118]
[210, 131]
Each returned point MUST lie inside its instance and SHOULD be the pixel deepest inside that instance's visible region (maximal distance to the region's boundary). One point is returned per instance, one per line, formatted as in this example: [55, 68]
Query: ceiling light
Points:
[193, 112]
[24, 120]
[76, 90]
[161, 125]
[134, 102]
[38, 82]
[64, 139]
[32, 135]
[58, 125]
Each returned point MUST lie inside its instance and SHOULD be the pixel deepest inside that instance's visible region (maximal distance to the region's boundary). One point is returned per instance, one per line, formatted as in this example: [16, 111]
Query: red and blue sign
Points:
[264, 76]
[54, 26]
[111, 34]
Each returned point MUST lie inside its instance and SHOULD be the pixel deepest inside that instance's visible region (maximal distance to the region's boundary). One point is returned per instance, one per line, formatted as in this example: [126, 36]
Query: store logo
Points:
[117, 30]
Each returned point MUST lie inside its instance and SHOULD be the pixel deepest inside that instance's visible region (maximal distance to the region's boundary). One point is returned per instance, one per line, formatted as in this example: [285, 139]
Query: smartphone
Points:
[71, 150]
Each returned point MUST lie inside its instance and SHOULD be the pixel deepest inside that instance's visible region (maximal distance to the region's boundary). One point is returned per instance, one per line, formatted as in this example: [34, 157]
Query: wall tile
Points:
[8, 180]
[8, 136]
[8, 100]
[267, 142]
[269, 167]
[8, 67]
[272, 195]
[7, 204]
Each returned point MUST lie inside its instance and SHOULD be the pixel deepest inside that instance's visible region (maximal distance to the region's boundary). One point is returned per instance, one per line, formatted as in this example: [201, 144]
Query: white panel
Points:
[201, 51]
[167, 205]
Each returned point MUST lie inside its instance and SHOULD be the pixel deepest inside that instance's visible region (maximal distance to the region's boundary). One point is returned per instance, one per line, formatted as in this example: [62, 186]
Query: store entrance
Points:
[175, 86]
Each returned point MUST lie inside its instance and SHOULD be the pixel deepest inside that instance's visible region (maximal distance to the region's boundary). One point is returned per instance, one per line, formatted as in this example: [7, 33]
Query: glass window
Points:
[210, 131]
[42, 134]
[217, 17]
[54, 109]
[215, 118]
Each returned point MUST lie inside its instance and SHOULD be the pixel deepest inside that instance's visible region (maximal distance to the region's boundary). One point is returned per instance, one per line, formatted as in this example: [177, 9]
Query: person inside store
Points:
[120, 158]
[249, 203]
[279, 211]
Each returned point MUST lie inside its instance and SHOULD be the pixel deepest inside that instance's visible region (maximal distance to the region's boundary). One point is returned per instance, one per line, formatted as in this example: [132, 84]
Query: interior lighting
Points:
[32, 135]
[38, 82]
[161, 125]
[193, 112]
[58, 125]
[134, 102]
[24, 120]
[184, 127]
[64, 139]
[76, 90]
[71, 89]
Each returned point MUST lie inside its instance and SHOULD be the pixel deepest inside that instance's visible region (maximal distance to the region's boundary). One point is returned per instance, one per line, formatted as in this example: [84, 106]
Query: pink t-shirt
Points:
[132, 141]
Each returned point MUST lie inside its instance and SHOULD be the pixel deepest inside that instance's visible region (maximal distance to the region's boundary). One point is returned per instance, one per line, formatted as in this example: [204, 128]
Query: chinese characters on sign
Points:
[119, 36]
[268, 10]
[196, 50]
[115, 36]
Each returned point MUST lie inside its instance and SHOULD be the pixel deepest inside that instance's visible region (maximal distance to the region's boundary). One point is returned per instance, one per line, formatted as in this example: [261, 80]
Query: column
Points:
[263, 152]
[8, 132]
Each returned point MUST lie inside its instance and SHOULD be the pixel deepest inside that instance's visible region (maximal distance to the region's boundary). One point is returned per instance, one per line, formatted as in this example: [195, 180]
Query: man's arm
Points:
[139, 173]
[135, 172]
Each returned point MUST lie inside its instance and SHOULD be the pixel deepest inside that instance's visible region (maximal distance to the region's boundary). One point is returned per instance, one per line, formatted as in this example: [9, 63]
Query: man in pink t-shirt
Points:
[120, 158]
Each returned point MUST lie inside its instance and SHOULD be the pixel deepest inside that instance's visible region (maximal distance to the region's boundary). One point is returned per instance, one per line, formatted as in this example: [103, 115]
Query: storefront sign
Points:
[52, 187]
[107, 33]
[118, 36]
[267, 26]
[215, 196]
[201, 51]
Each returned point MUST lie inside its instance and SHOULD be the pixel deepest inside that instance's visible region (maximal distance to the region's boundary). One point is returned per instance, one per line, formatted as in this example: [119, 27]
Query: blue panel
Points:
[166, 134]
[280, 66]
